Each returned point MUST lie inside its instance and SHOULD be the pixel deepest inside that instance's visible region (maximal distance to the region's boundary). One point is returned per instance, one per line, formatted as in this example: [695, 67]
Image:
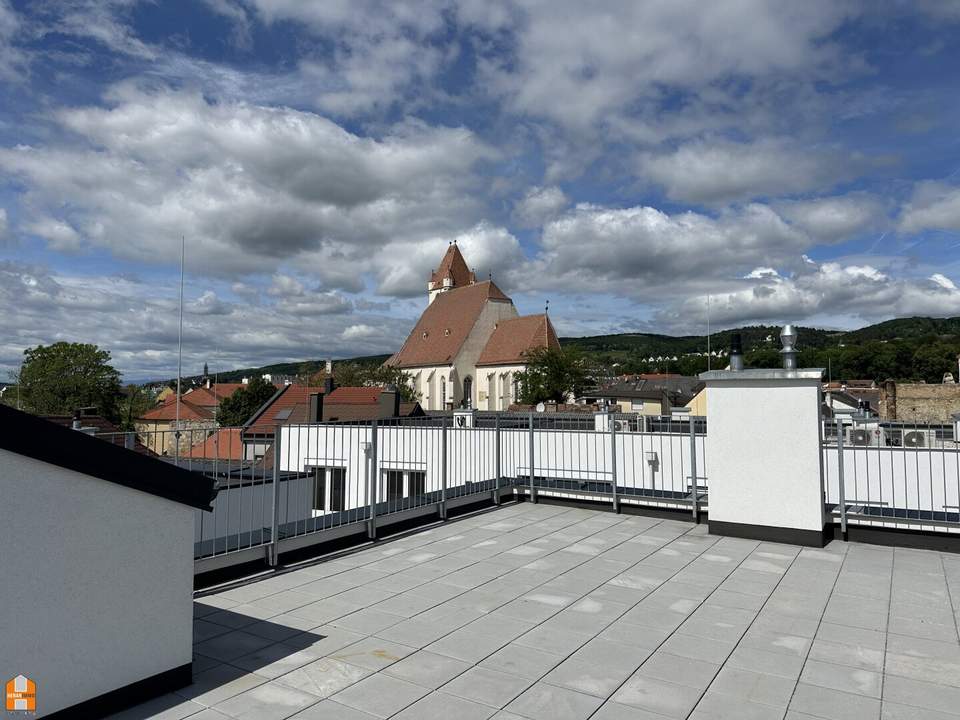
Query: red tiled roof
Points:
[445, 325]
[353, 396]
[210, 397]
[168, 411]
[225, 444]
[513, 338]
[453, 266]
[292, 398]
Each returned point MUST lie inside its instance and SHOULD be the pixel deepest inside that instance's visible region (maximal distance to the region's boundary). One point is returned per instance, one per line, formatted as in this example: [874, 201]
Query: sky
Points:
[632, 163]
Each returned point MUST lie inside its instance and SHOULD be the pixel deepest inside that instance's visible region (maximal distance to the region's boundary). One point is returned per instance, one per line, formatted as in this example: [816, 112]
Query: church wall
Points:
[466, 361]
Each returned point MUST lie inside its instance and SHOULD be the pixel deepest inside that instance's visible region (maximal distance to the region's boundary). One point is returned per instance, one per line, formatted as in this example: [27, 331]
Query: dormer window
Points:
[424, 334]
[446, 333]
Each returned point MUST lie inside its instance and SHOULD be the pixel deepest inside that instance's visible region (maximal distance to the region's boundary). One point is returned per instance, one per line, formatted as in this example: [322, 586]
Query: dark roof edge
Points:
[36, 438]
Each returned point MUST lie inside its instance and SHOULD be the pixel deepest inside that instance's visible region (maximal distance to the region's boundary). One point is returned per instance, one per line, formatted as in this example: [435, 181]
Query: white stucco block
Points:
[763, 442]
[97, 582]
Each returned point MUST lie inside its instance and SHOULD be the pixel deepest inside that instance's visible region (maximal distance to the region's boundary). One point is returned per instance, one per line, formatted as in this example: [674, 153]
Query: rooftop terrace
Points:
[553, 613]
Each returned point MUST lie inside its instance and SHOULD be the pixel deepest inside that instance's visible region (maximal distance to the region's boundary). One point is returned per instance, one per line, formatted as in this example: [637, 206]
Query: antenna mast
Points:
[176, 435]
[708, 332]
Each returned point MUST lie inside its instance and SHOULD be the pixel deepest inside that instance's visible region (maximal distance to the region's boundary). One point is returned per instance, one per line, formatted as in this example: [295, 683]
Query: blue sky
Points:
[626, 161]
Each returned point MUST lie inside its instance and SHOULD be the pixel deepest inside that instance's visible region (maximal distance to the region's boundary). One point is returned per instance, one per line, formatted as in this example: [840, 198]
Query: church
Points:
[470, 343]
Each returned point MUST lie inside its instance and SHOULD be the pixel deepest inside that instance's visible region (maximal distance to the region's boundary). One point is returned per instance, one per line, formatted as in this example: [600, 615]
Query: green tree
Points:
[240, 407]
[60, 378]
[134, 402]
[551, 374]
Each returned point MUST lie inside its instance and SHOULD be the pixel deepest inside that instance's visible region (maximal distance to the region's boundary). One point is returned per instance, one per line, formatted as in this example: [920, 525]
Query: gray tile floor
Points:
[542, 612]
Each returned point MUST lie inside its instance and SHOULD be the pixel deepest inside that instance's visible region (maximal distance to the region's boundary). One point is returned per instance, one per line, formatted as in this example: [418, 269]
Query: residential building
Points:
[198, 418]
[656, 396]
[469, 345]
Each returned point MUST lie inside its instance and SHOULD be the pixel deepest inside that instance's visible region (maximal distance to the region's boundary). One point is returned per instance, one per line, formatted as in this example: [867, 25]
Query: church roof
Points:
[515, 337]
[445, 325]
[453, 266]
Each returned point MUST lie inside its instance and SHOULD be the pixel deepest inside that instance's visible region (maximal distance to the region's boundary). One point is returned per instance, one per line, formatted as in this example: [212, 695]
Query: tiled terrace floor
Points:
[549, 613]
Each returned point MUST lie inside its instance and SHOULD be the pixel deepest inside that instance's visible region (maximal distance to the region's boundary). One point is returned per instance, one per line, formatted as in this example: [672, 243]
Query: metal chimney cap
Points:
[788, 336]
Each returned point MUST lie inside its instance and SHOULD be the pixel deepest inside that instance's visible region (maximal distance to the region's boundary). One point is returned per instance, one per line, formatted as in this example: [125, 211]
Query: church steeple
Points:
[452, 273]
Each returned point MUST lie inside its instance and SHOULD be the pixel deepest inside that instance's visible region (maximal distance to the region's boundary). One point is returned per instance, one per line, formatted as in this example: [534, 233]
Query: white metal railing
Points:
[886, 473]
[300, 484]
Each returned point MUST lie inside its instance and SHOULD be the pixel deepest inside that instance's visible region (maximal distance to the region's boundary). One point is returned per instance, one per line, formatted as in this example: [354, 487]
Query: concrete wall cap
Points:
[762, 374]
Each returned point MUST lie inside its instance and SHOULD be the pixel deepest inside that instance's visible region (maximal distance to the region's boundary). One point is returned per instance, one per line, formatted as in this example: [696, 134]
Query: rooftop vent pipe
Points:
[736, 353]
[788, 337]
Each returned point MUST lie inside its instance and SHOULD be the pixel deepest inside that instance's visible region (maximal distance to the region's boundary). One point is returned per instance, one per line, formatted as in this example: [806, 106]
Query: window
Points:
[636, 405]
[394, 484]
[443, 393]
[399, 484]
[417, 482]
[329, 489]
[468, 392]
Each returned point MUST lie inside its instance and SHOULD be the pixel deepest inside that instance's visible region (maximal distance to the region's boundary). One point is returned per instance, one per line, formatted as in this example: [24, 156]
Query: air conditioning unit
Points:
[914, 438]
[621, 425]
[860, 436]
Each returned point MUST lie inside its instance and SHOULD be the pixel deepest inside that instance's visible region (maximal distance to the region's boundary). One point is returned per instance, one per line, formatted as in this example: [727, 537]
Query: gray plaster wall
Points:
[97, 582]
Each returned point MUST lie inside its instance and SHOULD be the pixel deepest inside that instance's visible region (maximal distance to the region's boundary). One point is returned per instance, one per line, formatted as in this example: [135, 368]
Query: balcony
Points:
[545, 612]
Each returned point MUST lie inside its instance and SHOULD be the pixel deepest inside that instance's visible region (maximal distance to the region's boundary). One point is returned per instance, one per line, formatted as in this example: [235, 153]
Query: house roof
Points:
[168, 410]
[290, 404]
[353, 396]
[453, 266]
[359, 412]
[51, 443]
[225, 444]
[514, 338]
[213, 395]
[445, 324]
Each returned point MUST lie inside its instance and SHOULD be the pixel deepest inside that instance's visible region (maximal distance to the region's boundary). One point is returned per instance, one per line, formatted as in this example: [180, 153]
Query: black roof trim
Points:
[34, 437]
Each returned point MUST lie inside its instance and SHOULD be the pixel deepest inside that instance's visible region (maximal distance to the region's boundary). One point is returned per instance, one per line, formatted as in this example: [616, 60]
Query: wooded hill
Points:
[917, 348]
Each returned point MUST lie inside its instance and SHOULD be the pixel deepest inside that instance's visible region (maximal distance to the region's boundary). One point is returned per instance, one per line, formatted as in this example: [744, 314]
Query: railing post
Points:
[843, 494]
[613, 463]
[496, 458]
[443, 468]
[533, 489]
[274, 553]
[374, 483]
[693, 471]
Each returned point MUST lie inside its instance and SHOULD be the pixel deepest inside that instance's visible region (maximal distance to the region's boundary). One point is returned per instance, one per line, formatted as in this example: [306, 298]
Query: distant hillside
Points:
[919, 348]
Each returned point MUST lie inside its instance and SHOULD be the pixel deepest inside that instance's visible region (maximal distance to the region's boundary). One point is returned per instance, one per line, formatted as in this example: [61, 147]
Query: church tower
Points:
[452, 273]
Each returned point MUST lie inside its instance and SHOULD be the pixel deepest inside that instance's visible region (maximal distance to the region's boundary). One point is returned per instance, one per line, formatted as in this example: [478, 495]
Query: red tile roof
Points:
[513, 338]
[445, 325]
[210, 397]
[168, 411]
[353, 396]
[356, 412]
[453, 266]
[225, 444]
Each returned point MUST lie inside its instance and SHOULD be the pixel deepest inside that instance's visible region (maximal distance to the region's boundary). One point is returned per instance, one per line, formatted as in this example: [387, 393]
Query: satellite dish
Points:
[541, 407]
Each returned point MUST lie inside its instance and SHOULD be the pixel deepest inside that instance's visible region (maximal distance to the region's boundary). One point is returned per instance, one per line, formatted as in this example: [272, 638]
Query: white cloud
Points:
[859, 291]
[835, 219]
[250, 187]
[60, 236]
[539, 205]
[13, 60]
[579, 66]
[643, 252]
[716, 171]
[137, 322]
[934, 206]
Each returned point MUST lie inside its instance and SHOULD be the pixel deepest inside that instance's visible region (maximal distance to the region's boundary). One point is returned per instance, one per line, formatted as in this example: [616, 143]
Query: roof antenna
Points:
[546, 310]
